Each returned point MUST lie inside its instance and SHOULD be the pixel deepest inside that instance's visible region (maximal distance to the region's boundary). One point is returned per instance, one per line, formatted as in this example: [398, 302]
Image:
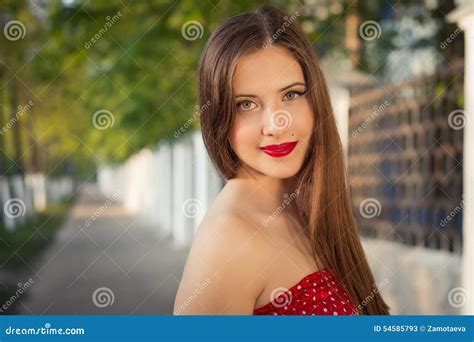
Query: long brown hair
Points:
[323, 201]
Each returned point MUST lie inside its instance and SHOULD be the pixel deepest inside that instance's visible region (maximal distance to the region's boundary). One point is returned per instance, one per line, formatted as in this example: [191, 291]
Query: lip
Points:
[280, 150]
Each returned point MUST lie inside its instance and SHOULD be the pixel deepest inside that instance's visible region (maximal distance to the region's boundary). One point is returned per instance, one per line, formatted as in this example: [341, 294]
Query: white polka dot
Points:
[275, 314]
[332, 298]
[314, 298]
[304, 303]
[304, 312]
[286, 307]
[345, 310]
[299, 287]
[335, 313]
[325, 310]
[330, 292]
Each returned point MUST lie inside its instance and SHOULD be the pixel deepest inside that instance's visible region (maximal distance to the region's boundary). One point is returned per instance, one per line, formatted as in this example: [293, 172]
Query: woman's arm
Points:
[222, 273]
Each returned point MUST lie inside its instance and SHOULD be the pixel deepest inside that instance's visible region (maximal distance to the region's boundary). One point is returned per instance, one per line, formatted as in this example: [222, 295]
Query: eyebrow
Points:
[282, 89]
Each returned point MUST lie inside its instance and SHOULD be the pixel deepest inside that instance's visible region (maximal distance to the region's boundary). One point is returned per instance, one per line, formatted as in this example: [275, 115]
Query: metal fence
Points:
[405, 160]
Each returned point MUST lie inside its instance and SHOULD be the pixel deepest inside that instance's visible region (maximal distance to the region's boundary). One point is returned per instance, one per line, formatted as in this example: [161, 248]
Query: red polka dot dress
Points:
[318, 293]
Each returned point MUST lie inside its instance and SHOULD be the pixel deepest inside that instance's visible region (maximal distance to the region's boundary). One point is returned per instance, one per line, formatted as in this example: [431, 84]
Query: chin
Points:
[280, 171]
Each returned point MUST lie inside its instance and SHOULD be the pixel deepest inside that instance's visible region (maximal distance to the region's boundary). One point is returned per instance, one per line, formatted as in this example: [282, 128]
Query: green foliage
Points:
[140, 68]
[130, 58]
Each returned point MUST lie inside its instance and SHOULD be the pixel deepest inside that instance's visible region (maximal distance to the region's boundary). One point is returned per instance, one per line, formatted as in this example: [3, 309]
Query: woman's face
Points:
[274, 119]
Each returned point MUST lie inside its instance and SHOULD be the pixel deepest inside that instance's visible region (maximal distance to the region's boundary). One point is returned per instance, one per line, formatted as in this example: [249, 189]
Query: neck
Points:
[270, 193]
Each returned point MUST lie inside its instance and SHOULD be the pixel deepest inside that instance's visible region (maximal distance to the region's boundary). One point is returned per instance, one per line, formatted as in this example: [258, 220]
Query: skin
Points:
[236, 261]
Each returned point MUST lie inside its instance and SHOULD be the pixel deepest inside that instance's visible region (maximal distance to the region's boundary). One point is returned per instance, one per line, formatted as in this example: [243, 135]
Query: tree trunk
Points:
[16, 128]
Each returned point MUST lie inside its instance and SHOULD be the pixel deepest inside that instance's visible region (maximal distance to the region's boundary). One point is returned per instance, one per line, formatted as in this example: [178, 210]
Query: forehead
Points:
[267, 69]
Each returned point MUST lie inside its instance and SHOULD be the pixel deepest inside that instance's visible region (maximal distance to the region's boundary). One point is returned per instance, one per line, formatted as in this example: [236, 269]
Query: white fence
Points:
[170, 187]
[22, 197]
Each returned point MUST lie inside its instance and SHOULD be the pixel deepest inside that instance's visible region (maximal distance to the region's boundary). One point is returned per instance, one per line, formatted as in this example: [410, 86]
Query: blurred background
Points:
[104, 176]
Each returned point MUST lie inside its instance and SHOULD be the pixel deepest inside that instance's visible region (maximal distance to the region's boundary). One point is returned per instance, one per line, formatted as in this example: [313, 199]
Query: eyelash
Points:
[297, 92]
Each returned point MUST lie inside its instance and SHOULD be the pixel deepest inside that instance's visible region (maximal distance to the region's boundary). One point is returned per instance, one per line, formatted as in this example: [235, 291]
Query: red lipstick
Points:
[281, 150]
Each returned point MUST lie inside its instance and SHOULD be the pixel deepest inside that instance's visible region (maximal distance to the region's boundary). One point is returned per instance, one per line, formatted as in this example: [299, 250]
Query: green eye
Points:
[293, 94]
[245, 105]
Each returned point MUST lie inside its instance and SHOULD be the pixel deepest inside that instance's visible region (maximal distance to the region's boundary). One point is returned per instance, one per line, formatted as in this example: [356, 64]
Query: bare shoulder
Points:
[222, 273]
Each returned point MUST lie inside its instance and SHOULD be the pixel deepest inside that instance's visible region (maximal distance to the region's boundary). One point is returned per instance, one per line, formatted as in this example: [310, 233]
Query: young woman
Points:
[280, 239]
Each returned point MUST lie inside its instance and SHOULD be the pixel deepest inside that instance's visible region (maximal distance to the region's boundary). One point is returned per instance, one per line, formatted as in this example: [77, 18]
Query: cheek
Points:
[304, 123]
[243, 135]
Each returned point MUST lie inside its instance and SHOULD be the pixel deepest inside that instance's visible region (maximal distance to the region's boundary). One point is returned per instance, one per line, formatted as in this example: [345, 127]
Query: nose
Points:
[276, 122]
